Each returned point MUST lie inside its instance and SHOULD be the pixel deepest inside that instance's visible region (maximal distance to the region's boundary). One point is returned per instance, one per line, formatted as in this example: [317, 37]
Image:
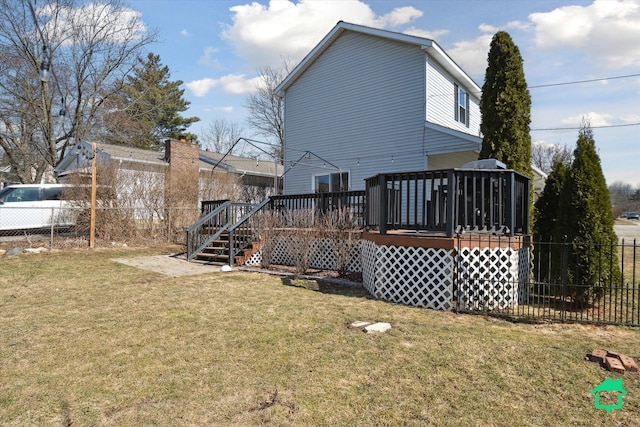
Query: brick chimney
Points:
[181, 183]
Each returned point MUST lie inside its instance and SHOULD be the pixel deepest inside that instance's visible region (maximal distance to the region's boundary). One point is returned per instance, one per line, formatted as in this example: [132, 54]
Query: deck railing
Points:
[207, 206]
[450, 201]
[213, 224]
[323, 202]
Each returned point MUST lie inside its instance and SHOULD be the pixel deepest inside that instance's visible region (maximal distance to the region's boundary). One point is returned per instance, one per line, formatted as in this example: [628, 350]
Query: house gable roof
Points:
[121, 152]
[427, 45]
[81, 152]
[237, 164]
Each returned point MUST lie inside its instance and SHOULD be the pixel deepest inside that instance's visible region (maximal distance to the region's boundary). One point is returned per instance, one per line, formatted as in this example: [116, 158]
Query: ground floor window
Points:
[331, 182]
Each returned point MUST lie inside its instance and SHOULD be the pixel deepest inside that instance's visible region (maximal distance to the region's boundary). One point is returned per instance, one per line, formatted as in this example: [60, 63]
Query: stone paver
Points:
[169, 265]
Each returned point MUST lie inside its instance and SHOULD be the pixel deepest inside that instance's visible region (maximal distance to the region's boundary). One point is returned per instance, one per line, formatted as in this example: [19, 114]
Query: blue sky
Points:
[216, 48]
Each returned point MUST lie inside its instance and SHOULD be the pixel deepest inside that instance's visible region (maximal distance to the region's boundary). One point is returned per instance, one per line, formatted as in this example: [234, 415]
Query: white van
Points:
[29, 206]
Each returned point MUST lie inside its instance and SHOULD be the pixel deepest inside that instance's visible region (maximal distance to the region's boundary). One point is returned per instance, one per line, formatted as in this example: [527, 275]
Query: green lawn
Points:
[87, 341]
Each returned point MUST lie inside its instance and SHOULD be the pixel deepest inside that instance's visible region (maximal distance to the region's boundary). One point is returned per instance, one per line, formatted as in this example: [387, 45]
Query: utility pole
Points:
[92, 227]
[43, 74]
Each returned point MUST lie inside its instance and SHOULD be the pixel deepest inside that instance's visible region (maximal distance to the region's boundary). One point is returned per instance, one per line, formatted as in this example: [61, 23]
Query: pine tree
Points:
[546, 231]
[547, 207]
[586, 219]
[151, 105]
[505, 106]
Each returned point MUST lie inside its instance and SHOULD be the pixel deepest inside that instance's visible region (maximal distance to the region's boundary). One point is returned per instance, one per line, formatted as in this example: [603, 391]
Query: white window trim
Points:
[313, 179]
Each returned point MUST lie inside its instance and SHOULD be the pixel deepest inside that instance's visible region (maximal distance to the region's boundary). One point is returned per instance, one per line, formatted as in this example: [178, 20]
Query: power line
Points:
[592, 127]
[575, 82]
[572, 82]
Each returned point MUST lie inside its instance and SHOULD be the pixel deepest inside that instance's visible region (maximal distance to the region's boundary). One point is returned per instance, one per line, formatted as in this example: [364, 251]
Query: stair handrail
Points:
[257, 208]
[191, 231]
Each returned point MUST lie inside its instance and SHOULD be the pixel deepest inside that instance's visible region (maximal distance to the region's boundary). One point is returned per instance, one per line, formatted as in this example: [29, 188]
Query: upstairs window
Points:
[462, 105]
[332, 182]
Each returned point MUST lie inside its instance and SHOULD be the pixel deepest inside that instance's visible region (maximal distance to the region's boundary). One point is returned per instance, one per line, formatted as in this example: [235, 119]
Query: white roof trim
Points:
[537, 171]
[453, 132]
[427, 45]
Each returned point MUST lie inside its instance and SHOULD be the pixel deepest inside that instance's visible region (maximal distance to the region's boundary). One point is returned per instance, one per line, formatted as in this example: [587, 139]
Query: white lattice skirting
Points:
[323, 254]
[490, 279]
[421, 277]
[467, 278]
[443, 279]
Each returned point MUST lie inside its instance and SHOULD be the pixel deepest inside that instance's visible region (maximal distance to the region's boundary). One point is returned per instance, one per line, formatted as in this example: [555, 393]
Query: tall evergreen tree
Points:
[505, 106]
[586, 219]
[150, 105]
[546, 230]
[547, 207]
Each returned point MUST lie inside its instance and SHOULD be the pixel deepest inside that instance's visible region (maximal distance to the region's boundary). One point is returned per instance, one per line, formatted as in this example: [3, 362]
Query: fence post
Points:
[452, 194]
[383, 208]
[231, 248]
[511, 198]
[53, 222]
[323, 203]
[168, 219]
[564, 265]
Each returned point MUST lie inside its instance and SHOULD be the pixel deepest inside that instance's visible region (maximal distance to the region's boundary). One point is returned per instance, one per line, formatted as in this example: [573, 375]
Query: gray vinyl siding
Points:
[439, 142]
[358, 108]
[441, 101]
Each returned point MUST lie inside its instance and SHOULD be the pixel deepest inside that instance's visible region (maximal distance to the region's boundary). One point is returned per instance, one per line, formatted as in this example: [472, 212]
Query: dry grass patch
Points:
[87, 341]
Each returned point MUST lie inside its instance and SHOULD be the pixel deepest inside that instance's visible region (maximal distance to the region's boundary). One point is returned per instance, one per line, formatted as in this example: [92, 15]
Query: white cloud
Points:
[630, 118]
[433, 35]
[519, 25]
[608, 30]
[227, 109]
[265, 34]
[238, 84]
[201, 87]
[486, 28]
[593, 118]
[185, 33]
[398, 16]
[471, 55]
[235, 84]
[208, 58]
[122, 24]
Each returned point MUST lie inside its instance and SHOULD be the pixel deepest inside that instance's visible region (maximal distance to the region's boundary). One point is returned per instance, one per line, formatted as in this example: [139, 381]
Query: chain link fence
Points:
[64, 227]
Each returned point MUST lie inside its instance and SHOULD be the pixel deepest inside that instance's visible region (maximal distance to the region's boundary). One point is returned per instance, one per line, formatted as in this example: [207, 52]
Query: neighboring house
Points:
[539, 180]
[258, 177]
[145, 171]
[7, 176]
[366, 101]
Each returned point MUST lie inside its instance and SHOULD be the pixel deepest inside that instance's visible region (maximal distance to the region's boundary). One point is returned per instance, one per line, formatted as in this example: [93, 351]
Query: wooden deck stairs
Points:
[217, 251]
[226, 234]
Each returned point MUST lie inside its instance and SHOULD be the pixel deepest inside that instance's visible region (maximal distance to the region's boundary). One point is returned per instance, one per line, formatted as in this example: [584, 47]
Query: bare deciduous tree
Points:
[624, 197]
[220, 136]
[61, 61]
[543, 155]
[266, 109]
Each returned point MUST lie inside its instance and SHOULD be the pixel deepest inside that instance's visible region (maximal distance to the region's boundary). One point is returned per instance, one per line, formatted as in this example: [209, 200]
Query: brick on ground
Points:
[614, 364]
[628, 362]
[597, 355]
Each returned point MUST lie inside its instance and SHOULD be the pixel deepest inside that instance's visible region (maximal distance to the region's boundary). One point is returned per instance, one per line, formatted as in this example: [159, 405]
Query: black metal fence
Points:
[449, 201]
[564, 281]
